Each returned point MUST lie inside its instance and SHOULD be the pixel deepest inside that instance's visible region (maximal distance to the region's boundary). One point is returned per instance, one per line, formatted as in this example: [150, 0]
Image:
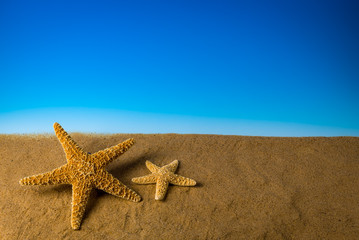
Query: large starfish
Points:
[84, 172]
[162, 176]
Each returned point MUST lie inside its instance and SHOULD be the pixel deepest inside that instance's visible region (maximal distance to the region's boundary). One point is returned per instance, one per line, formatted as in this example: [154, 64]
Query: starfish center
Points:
[82, 168]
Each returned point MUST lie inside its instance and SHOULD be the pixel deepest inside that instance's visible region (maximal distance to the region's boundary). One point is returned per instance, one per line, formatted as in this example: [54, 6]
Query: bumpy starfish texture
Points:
[162, 176]
[84, 172]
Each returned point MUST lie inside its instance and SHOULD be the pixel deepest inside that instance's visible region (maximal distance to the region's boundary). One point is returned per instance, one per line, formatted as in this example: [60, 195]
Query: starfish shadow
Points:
[199, 185]
[120, 172]
[55, 188]
[170, 189]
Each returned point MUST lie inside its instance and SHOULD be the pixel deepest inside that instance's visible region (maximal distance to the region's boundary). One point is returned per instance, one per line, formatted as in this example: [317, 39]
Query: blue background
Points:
[281, 68]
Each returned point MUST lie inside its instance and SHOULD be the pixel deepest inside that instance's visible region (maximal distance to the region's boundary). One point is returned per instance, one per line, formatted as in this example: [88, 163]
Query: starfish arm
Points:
[69, 145]
[104, 157]
[56, 176]
[172, 167]
[111, 185]
[161, 189]
[181, 181]
[80, 195]
[152, 167]
[148, 179]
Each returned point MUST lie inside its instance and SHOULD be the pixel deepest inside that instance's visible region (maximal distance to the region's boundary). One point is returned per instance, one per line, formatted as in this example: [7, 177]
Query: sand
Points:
[248, 188]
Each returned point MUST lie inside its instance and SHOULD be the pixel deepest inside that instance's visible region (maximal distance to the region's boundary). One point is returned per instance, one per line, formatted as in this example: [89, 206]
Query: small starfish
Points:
[162, 176]
[84, 171]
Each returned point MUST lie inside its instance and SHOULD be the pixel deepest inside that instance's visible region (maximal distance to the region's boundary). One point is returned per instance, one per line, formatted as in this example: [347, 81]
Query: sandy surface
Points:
[248, 188]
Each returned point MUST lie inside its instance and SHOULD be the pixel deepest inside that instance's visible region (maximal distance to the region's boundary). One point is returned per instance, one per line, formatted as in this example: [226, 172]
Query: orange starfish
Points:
[84, 172]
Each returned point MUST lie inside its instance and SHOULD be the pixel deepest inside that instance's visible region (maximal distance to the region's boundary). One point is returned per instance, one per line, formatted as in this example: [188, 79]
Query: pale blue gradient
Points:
[40, 121]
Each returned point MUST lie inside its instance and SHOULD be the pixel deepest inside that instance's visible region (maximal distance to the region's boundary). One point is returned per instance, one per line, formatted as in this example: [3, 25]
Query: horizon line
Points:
[111, 121]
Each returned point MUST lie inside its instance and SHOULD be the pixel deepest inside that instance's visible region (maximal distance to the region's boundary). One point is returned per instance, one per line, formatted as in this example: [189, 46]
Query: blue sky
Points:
[292, 66]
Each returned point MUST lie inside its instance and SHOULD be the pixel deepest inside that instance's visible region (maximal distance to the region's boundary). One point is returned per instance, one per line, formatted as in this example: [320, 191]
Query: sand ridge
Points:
[248, 188]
